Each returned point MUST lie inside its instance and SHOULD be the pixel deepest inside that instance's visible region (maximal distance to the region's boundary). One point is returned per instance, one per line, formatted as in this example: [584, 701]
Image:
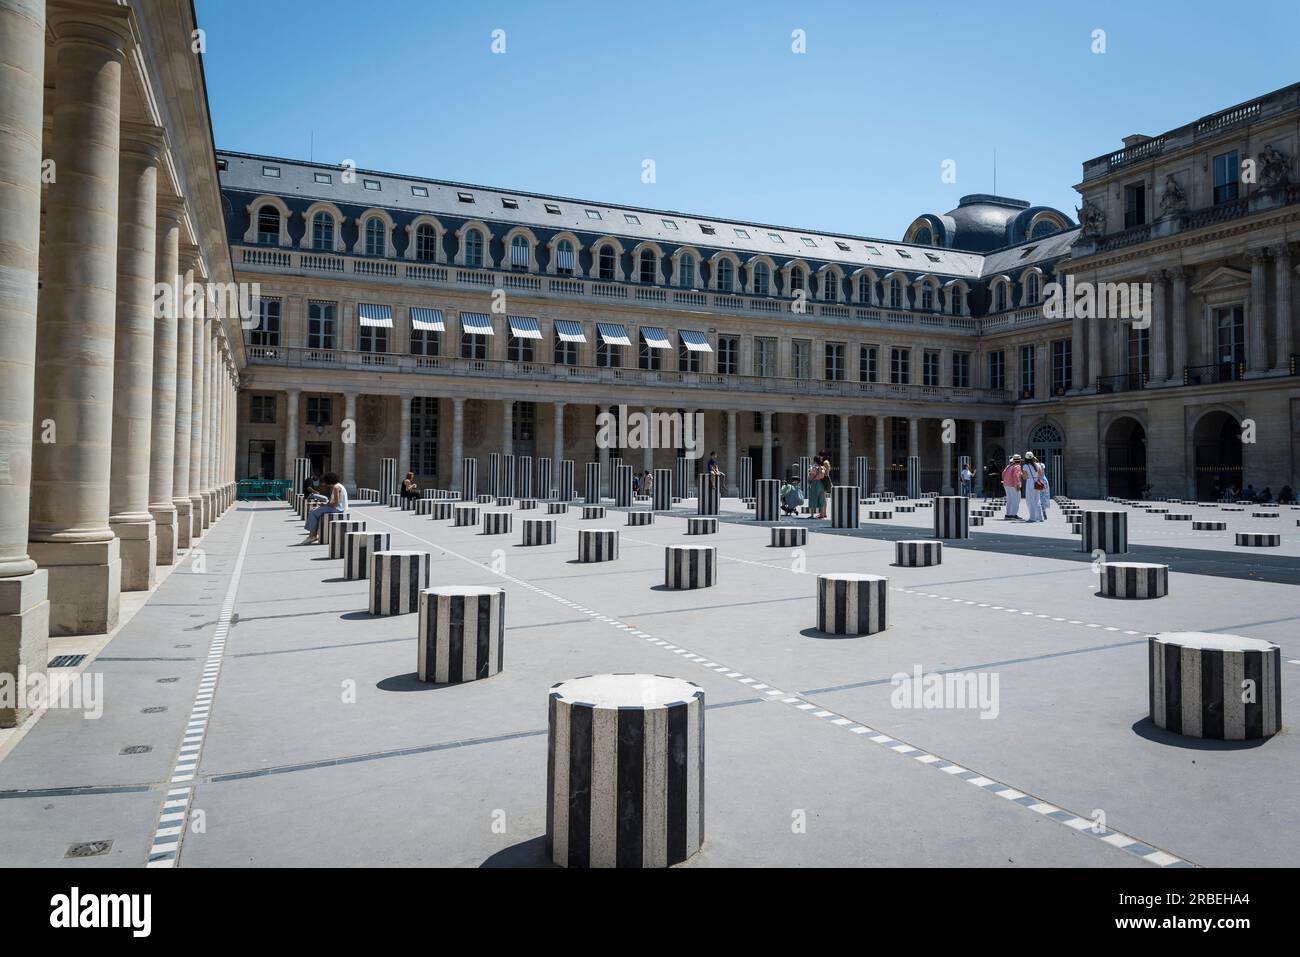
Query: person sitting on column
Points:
[713, 470]
[1286, 496]
[338, 502]
[1011, 481]
[964, 478]
[791, 496]
[1031, 487]
[311, 489]
[409, 488]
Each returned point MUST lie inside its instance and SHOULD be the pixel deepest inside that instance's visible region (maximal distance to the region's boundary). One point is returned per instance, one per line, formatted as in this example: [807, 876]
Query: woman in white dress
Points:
[1032, 499]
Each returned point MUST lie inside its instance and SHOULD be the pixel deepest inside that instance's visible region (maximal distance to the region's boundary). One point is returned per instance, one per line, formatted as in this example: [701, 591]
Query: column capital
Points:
[142, 141]
[1259, 255]
[171, 209]
[106, 25]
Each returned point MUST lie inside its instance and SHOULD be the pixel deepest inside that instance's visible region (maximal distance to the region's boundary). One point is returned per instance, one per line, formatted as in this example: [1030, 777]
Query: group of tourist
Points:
[1025, 479]
[329, 490]
[1248, 494]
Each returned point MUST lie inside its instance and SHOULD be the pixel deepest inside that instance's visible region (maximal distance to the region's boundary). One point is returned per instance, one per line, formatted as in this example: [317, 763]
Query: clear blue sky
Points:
[849, 136]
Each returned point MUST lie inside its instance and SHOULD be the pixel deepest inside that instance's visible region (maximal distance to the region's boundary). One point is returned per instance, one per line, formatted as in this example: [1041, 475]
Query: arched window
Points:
[564, 258]
[830, 286]
[1044, 227]
[726, 275]
[1031, 288]
[426, 243]
[647, 268]
[895, 293]
[473, 248]
[520, 253]
[864, 289]
[268, 225]
[796, 279]
[374, 236]
[762, 279]
[927, 296]
[605, 264]
[923, 237]
[322, 232]
[1045, 434]
[686, 271]
[1001, 300]
[958, 298]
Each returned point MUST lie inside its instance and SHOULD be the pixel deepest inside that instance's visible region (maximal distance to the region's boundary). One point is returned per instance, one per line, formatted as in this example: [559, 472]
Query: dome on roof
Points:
[982, 223]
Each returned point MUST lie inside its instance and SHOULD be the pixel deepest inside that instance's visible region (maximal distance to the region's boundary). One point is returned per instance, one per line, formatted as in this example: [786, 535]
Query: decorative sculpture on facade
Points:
[1274, 167]
[1173, 199]
[1092, 220]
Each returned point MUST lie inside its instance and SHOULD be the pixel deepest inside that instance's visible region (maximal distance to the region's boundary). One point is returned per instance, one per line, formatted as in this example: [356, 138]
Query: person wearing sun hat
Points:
[1012, 478]
[1035, 504]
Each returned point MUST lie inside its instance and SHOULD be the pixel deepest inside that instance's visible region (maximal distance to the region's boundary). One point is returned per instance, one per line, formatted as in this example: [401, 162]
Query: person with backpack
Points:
[816, 488]
[1032, 487]
[1012, 479]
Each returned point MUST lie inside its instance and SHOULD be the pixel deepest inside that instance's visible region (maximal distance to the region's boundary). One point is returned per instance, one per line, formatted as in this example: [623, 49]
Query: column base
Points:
[196, 518]
[184, 522]
[24, 641]
[139, 551]
[85, 584]
[164, 520]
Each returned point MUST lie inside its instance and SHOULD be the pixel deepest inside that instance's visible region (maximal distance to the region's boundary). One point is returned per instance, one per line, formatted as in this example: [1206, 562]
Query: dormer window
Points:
[605, 263]
[422, 191]
[465, 197]
[371, 184]
[271, 171]
[473, 248]
[268, 225]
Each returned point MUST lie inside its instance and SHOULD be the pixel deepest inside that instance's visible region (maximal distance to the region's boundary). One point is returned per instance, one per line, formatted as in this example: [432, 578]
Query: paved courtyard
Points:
[319, 747]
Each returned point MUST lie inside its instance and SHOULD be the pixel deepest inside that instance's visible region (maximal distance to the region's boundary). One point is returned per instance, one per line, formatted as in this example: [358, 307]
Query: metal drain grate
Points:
[156, 709]
[167, 681]
[136, 749]
[89, 849]
[66, 661]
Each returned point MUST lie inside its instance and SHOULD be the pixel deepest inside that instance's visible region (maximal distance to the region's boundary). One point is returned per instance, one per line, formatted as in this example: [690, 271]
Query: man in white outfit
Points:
[1032, 498]
[1012, 479]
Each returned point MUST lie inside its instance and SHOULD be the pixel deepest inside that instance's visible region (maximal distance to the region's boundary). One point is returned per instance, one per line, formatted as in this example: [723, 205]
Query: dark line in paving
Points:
[87, 791]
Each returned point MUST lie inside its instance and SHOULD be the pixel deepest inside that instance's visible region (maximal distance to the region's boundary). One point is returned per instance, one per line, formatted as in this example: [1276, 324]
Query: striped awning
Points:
[564, 259]
[613, 334]
[373, 314]
[694, 341]
[524, 327]
[654, 337]
[569, 331]
[477, 323]
[424, 319]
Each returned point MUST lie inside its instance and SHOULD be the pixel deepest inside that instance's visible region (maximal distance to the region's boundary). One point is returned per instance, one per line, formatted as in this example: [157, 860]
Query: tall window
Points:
[1000, 299]
[473, 346]
[373, 339]
[646, 267]
[726, 275]
[1027, 372]
[835, 362]
[686, 271]
[605, 263]
[1032, 289]
[1225, 177]
[997, 370]
[320, 410]
[801, 359]
[1139, 352]
[261, 409]
[520, 254]
[648, 357]
[830, 286]
[426, 243]
[796, 280]
[607, 356]
[322, 232]
[930, 368]
[566, 353]
[868, 364]
[426, 342]
[375, 236]
[1135, 204]
[762, 279]
[564, 258]
[424, 435]
[268, 225]
[320, 324]
[473, 248]
[689, 360]
[864, 289]
[764, 356]
[831, 439]
[1062, 367]
[900, 366]
[728, 355]
[961, 370]
[1230, 338]
[520, 350]
[958, 297]
[524, 423]
[895, 293]
[267, 332]
[927, 296]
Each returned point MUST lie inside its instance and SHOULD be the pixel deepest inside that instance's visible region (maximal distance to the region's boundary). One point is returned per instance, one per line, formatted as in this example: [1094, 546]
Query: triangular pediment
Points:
[1223, 277]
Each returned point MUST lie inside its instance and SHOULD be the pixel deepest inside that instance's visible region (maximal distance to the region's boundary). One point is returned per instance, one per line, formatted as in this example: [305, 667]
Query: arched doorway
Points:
[1047, 443]
[992, 469]
[1217, 463]
[1126, 458]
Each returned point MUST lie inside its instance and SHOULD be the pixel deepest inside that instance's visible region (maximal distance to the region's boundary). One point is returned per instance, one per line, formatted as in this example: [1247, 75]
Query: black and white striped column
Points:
[914, 476]
[468, 478]
[506, 486]
[539, 531]
[625, 771]
[406, 503]
[462, 633]
[388, 484]
[424, 506]
[483, 498]
[394, 501]
[1224, 687]
[788, 536]
[767, 501]
[396, 579]
[496, 523]
[440, 511]
[301, 472]
[746, 486]
[862, 476]
[524, 476]
[707, 500]
[701, 525]
[566, 480]
[844, 506]
[951, 516]
[663, 490]
[545, 480]
[593, 511]
[690, 566]
[358, 548]
[683, 479]
[557, 508]
[1209, 526]
[465, 514]
[805, 463]
[879, 514]
[852, 604]
[503, 501]
[622, 486]
[1178, 517]
[591, 492]
[1134, 580]
[597, 544]
[1105, 530]
[494, 474]
[327, 520]
[918, 553]
[1259, 539]
[640, 518]
[526, 503]
[339, 536]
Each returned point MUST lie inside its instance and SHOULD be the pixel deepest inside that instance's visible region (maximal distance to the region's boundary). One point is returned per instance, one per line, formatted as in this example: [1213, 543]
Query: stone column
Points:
[1257, 325]
[882, 466]
[197, 404]
[1179, 327]
[977, 466]
[557, 445]
[403, 438]
[648, 454]
[1282, 315]
[733, 471]
[812, 435]
[458, 441]
[507, 426]
[349, 448]
[947, 457]
[913, 436]
[24, 610]
[602, 458]
[1159, 335]
[128, 498]
[205, 419]
[72, 457]
[184, 403]
[767, 445]
[845, 461]
[291, 447]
